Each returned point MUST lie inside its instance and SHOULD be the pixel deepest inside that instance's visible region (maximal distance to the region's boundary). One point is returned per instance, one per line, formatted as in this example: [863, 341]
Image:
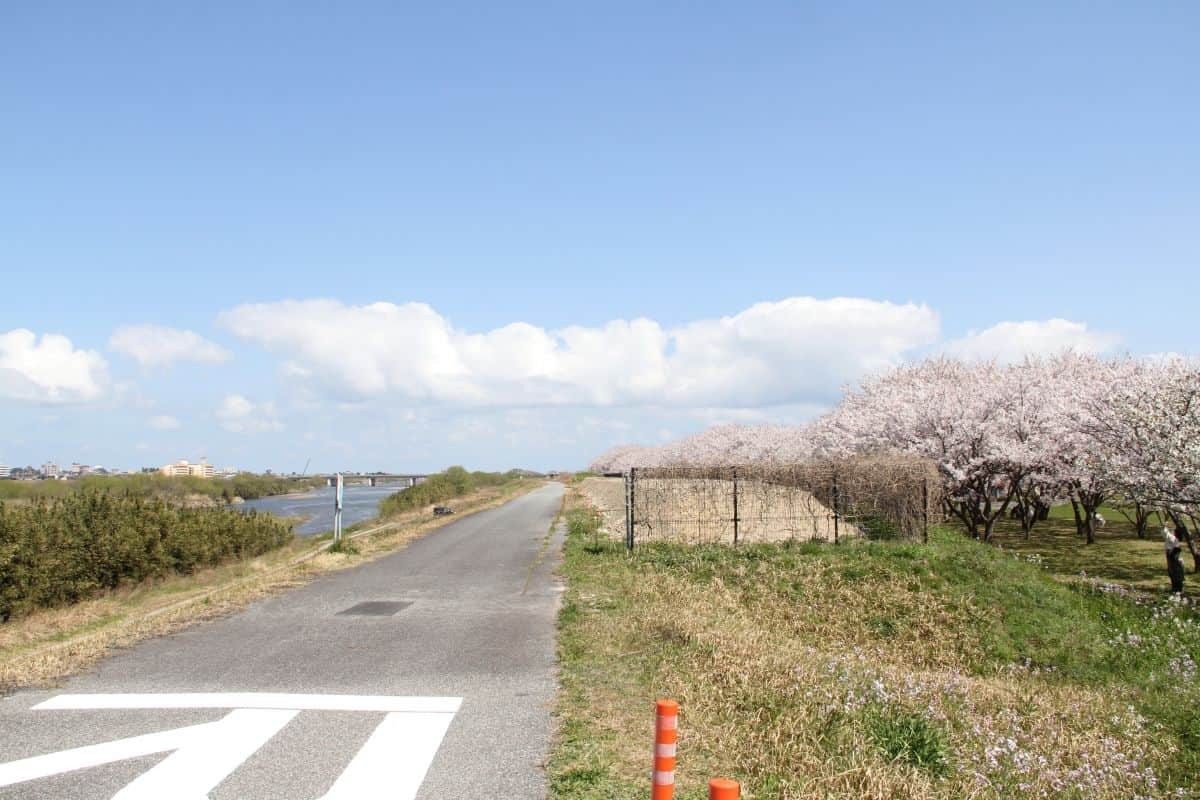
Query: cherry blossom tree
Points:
[622, 457]
[1146, 436]
[949, 412]
[1071, 427]
[1080, 387]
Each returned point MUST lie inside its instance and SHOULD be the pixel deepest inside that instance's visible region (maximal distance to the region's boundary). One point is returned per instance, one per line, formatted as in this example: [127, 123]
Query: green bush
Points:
[57, 552]
[446, 485]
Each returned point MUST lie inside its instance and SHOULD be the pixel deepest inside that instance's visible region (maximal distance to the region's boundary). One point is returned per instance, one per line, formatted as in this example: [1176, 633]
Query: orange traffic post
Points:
[666, 734]
[723, 789]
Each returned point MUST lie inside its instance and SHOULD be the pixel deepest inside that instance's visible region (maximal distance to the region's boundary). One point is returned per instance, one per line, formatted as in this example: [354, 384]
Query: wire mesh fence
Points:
[826, 501]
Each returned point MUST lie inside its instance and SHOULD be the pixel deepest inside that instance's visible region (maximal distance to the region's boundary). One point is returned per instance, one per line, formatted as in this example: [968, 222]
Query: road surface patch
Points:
[376, 608]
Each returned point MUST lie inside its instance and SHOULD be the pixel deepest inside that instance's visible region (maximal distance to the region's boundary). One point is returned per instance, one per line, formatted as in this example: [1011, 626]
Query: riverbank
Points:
[49, 645]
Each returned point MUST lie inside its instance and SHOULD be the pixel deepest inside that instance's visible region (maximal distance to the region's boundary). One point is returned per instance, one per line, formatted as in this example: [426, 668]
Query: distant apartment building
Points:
[50, 470]
[5, 473]
[182, 469]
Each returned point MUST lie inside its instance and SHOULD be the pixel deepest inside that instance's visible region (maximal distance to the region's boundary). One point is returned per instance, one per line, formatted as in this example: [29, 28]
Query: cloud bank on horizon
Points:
[768, 354]
[800, 350]
[794, 351]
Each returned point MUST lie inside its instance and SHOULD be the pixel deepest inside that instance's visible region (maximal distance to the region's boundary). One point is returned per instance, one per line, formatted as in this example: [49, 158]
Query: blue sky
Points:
[217, 169]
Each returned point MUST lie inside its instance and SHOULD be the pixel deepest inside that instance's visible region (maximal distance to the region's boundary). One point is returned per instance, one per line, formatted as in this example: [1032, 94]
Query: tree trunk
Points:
[968, 520]
[1191, 544]
[1078, 519]
[1028, 517]
[992, 514]
[1090, 502]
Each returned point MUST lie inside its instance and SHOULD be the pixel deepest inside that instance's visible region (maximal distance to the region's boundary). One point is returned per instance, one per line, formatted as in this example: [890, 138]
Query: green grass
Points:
[1117, 556]
[868, 670]
[911, 739]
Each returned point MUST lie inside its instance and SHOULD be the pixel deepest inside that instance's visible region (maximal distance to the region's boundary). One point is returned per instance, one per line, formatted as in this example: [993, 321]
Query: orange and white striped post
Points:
[666, 734]
[723, 789]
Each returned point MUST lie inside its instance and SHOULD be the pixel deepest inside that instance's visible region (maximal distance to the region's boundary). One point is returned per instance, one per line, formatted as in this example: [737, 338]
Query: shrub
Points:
[54, 553]
[448, 484]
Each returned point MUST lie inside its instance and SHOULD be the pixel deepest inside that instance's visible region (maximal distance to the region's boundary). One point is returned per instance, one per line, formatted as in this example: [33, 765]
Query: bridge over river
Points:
[377, 479]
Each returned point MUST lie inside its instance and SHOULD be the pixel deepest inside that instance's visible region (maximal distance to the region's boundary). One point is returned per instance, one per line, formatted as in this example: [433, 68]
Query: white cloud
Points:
[796, 350]
[51, 370]
[1012, 341]
[158, 346]
[240, 415]
[163, 422]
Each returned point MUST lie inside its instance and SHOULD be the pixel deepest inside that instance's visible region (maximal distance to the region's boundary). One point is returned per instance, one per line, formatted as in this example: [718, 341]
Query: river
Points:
[360, 502]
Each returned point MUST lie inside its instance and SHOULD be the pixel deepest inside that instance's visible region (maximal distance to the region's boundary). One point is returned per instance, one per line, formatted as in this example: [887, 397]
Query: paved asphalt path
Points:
[480, 627]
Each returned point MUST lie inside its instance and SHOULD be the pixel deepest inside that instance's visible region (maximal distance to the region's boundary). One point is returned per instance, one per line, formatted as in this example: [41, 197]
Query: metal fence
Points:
[828, 502]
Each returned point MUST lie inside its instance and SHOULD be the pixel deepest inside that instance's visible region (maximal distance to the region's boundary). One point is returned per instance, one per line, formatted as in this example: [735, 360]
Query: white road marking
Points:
[228, 741]
[293, 702]
[391, 764]
[190, 773]
[377, 773]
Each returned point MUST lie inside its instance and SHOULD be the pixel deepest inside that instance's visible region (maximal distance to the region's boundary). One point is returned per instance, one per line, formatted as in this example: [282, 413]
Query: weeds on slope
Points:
[873, 670]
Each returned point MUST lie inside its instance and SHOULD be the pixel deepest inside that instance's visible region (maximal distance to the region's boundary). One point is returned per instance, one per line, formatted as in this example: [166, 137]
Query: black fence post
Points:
[925, 510]
[735, 507]
[631, 519]
[835, 508]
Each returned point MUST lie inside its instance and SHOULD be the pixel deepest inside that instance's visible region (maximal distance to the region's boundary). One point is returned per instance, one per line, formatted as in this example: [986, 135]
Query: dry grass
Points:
[867, 671]
[51, 644]
[701, 511]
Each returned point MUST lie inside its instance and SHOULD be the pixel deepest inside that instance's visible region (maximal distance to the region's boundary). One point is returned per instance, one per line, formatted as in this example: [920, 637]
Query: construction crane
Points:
[305, 471]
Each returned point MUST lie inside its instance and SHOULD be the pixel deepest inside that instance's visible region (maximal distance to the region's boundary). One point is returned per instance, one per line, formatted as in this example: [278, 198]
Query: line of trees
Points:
[1006, 439]
[61, 551]
[446, 485]
[246, 485]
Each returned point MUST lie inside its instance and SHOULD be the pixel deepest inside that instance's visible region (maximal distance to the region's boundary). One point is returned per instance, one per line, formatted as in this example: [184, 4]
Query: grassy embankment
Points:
[47, 644]
[871, 670]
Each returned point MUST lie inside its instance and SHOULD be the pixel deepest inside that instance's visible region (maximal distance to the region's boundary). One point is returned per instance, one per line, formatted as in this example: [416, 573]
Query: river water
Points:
[359, 502]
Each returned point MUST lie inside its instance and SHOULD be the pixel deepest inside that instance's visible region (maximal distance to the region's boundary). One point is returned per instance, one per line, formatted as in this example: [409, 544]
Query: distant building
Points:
[50, 470]
[5, 473]
[182, 469]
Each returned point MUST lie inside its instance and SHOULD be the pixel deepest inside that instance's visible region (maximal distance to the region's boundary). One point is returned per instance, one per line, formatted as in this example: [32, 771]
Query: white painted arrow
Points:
[391, 764]
[204, 756]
